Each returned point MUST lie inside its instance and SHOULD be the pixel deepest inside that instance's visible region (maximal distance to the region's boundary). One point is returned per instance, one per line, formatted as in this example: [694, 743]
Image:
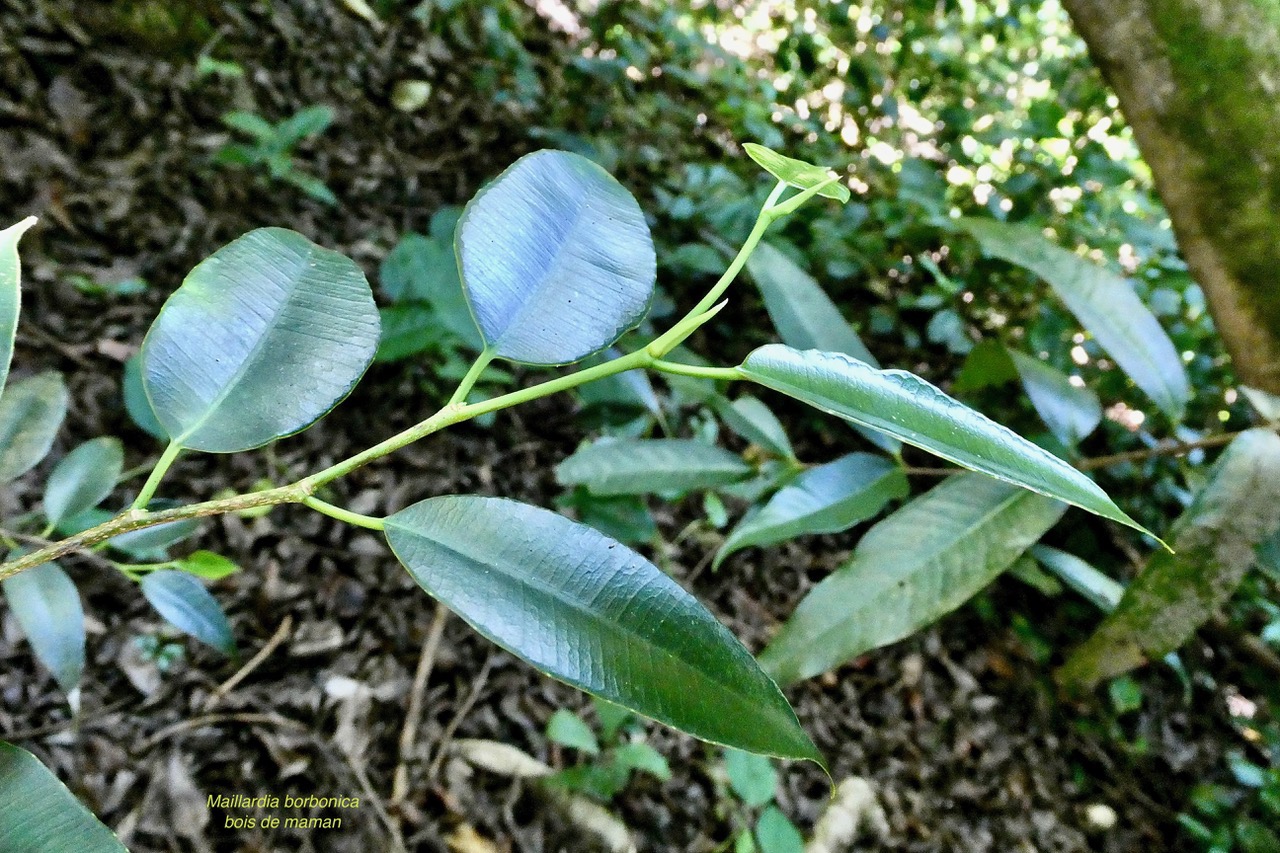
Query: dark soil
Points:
[108, 138]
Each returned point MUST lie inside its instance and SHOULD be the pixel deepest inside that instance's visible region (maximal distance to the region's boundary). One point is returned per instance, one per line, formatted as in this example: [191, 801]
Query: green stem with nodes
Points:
[455, 412]
[366, 521]
[148, 490]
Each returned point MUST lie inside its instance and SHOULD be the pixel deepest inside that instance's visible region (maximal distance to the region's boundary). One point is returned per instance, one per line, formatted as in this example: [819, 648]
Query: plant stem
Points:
[366, 521]
[157, 474]
[728, 374]
[469, 381]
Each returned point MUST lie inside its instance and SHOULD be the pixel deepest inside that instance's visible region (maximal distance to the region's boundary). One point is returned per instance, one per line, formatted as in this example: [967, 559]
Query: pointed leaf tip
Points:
[594, 614]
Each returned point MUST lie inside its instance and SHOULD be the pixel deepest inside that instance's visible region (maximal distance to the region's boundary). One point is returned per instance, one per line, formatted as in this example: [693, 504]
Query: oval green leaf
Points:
[1103, 302]
[556, 259]
[10, 291]
[47, 606]
[207, 565]
[796, 173]
[642, 466]
[40, 815]
[594, 614]
[188, 606]
[31, 411]
[83, 478]
[826, 499]
[263, 337]
[1070, 412]
[914, 411]
[918, 564]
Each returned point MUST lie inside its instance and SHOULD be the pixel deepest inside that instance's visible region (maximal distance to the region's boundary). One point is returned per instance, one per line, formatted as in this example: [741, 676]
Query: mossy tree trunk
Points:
[1199, 82]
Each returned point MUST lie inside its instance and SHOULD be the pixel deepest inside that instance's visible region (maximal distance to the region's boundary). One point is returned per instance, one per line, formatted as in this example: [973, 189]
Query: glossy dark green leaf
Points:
[910, 409]
[556, 259]
[47, 606]
[753, 420]
[825, 499]
[796, 173]
[136, 404]
[641, 466]
[83, 478]
[1103, 302]
[31, 410]
[917, 565]
[188, 606]
[1070, 411]
[40, 815]
[1214, 543]
[262, 338]
[10, 291]
[595, 614]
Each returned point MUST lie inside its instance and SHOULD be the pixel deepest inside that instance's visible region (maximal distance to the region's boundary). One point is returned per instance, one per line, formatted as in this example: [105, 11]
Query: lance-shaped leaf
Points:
[1070, 412]
[556, 259]
[263, 337]
[47, 606]
[188, 606]
[594, 614]
[10, 291]
[796, 173]
[753, 420]
[641, 466]
[83, 478]
[31, 411]
[917, 565]
[910, 409]
[825, 499]
[40, 815]
[1214, 542]
[1103, 302]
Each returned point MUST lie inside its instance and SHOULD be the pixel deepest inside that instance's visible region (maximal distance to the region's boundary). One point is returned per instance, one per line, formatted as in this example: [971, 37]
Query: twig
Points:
[408, 734]
[281, 634]
[1172, 448]
[443, 747]
[214, 719]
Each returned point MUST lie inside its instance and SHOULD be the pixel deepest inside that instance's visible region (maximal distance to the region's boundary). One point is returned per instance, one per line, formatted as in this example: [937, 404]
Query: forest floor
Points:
[959, 729]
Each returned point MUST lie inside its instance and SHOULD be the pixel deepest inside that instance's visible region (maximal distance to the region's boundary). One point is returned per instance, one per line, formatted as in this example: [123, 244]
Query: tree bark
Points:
[1199, 83]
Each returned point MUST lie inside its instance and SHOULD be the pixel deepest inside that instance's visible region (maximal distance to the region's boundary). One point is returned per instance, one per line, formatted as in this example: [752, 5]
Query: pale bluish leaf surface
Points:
[136, 403]
[825, 499]
[40, 815]
[83, 478]
[1103, 302]
[264, 336]
[1215, 542]
[188, 606]
[642, 466]
[31, 410]
[47, 606]
[1071, 412]
[556, 259]
[594, 614]
[917, 565]
[10, 291]
[796, 173]
[914, 411]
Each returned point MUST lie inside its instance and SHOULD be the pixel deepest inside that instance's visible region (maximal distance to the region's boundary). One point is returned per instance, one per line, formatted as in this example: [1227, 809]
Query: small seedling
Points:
[272, 148]
[609, 757]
